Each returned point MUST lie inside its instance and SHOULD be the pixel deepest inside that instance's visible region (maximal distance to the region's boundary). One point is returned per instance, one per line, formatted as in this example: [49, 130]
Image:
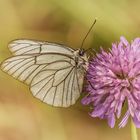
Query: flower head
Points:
[114, 78]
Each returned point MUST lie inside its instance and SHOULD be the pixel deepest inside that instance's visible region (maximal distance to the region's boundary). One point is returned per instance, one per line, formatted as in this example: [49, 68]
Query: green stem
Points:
[133, 131]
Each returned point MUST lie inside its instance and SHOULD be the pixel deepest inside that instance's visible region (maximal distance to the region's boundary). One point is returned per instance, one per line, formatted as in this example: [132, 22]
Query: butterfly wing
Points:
[27, 47]
[48, 69]
[57, 87]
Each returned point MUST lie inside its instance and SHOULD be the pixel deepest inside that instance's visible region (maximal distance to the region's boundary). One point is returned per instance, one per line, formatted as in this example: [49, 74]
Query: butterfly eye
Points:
[81, 52]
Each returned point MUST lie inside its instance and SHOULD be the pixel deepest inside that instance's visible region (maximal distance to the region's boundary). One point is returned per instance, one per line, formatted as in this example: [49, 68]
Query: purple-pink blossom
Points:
[114, 80]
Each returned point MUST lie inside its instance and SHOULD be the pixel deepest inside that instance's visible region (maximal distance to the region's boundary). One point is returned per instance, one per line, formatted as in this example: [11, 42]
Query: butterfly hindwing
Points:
[57, 87]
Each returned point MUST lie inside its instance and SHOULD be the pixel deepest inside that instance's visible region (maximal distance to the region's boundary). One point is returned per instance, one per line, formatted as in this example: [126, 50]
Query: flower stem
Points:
[133, 131]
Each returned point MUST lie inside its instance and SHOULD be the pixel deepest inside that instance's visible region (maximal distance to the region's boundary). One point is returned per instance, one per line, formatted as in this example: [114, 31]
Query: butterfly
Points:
[55, 73]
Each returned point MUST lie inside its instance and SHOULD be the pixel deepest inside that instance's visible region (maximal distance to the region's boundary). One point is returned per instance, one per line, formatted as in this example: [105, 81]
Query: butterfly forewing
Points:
[22, 47]
[49, 69]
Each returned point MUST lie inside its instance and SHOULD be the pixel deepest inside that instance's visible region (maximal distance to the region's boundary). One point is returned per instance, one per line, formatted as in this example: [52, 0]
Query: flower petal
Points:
[111, 120]
[136, 121]
[124, 120]
[124, 41]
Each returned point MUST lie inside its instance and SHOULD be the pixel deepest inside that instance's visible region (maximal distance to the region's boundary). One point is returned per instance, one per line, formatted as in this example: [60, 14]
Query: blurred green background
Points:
[23, 117]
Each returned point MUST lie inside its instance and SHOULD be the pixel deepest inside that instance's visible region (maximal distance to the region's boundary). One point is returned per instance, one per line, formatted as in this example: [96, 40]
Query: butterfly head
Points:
[81, 52]
[81, 58]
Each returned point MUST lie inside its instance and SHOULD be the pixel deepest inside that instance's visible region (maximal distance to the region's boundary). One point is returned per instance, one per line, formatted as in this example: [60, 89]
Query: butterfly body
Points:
[81, 59]
[55, 73]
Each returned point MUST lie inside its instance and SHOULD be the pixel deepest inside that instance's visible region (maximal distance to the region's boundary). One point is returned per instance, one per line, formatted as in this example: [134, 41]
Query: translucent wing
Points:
[22, 47]
[26, 67]
[23, 68]
[49, 70]
[58, 87]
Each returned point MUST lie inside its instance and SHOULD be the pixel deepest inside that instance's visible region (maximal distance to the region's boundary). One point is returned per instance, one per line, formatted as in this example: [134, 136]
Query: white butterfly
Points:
[55, 73]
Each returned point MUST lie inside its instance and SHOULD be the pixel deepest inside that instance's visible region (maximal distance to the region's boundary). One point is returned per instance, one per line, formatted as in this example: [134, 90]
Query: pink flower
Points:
[114, 79]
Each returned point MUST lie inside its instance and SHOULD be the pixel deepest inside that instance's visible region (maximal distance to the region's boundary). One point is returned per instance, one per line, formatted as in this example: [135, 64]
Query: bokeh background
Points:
[23, 117]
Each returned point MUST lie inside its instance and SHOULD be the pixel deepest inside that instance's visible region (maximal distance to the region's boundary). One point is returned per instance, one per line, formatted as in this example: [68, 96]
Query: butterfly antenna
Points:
[88, 33]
